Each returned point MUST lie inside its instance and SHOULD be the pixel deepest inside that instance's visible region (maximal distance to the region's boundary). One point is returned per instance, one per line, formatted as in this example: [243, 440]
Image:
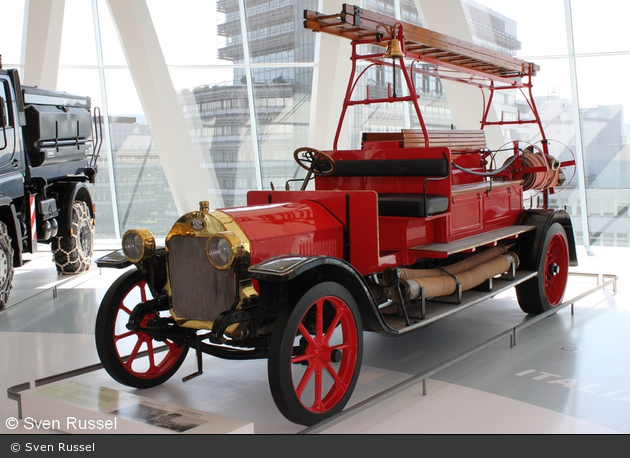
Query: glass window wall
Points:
[602, 55]
[248, 102]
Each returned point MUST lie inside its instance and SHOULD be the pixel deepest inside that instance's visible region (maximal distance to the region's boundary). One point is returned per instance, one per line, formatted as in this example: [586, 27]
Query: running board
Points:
[444, 250]
[435, 309]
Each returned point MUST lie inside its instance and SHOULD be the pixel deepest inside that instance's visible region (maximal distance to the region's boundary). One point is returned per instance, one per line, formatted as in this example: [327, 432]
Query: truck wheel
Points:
[73, 253]
[6, 266]
[114, 341]
[315, 354]
[545, 291]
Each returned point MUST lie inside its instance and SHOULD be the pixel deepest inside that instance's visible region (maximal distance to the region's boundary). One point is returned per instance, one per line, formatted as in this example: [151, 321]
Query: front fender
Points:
[542, 219]
[68, 193]
[281, 279]
[113, 260]
[287, 267]
[153, 268]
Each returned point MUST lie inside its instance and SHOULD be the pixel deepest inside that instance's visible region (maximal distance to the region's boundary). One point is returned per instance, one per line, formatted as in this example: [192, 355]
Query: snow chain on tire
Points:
[73, 253]
[6, 265]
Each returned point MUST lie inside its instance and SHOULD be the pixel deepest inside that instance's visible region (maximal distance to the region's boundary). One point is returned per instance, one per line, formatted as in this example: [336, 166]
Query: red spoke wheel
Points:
[133, 358]
[546, 290]
[315, 354]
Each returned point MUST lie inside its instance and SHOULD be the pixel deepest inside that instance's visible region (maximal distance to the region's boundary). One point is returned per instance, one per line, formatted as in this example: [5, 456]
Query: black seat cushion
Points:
[430, 167]
[411, 205]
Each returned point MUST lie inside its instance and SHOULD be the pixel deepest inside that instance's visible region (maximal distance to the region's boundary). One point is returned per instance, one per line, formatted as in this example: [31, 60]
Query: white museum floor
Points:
[568, 373]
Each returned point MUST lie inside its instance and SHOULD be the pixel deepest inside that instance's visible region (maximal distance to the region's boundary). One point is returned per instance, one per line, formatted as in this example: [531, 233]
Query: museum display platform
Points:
[487, 369]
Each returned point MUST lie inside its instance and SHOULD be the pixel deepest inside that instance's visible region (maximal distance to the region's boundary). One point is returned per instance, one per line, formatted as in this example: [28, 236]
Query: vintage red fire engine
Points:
[413, 227]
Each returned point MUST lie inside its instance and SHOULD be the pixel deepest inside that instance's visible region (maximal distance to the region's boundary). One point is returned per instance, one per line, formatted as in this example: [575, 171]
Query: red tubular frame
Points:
[377, 59]
[475, 77]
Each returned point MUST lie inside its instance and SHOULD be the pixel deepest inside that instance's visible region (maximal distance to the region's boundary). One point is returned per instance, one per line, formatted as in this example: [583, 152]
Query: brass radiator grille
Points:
[199, 291]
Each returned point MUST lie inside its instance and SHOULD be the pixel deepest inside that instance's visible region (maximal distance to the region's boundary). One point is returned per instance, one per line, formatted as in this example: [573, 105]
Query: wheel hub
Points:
[554, 269]
[335, 355]
[85, 238]
[4, 267]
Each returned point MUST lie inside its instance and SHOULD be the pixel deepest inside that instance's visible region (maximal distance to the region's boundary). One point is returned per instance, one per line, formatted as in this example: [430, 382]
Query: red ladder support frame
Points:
[451, 59]
[476, 78]
[377, 60]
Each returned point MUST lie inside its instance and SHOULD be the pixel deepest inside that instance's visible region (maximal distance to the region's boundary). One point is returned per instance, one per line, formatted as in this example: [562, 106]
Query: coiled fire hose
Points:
[456, 268]
[469, 273]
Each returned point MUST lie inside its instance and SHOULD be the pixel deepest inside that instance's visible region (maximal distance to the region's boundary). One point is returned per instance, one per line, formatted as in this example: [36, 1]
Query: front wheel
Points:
[546, 290]
[315, 354]
[121, 350]
[73, 253]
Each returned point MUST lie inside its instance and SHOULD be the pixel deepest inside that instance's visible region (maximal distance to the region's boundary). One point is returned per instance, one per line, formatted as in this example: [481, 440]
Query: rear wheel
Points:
[121, 350]
[315, 354]
[73, 253]
[546, 290]
[6, 266]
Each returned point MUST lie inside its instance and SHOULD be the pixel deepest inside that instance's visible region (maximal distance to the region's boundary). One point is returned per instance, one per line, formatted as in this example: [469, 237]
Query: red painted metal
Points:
[317, 356]
[471, 200]
[301, 227]
[141, 341]
[377, 60]
[482, 195]
[556, 269]
[355, 210]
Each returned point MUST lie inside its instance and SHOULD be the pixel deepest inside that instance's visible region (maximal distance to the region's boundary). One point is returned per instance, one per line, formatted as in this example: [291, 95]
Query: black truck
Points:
[48, 154]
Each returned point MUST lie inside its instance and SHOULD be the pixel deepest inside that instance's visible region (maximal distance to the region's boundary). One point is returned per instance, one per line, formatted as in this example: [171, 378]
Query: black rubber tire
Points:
[113, 315]
[316, 354]
[73, 253]
[546, 290]
[6, 266]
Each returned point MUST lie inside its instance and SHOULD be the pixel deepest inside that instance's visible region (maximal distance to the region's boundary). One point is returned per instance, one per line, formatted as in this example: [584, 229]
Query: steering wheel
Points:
[314, 161]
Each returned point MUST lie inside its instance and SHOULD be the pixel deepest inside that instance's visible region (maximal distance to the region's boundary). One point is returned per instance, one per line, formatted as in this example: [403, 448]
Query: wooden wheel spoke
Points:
[335, 375]
[151, 355]
[304, 381]
[300, 358]
[134, 353]
[143, 293]
[319, 319]
[124, 308]
[171, 345]
[124, 335]
[317, 403]
[344, 346]
[306, 334]
[333, 324]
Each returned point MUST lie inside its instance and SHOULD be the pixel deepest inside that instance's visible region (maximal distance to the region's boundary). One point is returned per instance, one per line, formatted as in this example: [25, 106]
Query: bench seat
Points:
[457, 140]
[409, 183]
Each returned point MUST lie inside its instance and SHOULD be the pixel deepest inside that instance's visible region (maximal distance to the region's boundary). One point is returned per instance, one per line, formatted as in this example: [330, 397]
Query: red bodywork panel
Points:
[370, 242]
[303, 227]
[334, 223]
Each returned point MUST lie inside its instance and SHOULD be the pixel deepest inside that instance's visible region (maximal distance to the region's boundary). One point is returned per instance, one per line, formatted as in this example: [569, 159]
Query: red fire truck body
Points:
[412, 227]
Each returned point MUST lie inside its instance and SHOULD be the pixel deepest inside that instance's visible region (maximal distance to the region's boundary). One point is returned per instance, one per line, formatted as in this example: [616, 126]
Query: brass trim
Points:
[214, 222]
[236, 249]
[148, 244]
[232, 226]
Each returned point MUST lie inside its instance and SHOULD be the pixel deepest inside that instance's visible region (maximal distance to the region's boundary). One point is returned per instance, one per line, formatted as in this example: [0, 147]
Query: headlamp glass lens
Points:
[132, 245]
[220, 251]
